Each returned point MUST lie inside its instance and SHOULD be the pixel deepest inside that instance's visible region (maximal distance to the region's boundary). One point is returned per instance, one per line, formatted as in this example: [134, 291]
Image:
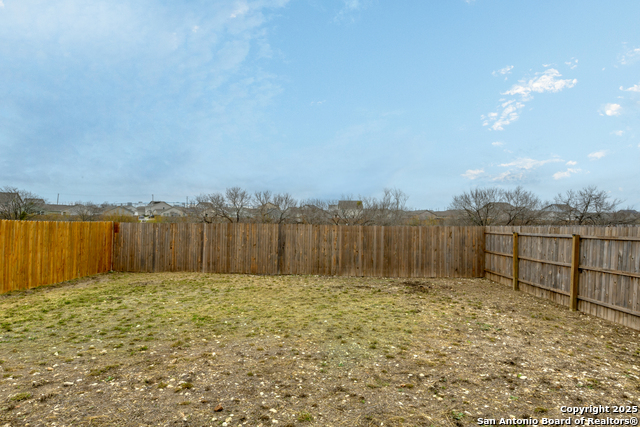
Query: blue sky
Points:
[117, 100]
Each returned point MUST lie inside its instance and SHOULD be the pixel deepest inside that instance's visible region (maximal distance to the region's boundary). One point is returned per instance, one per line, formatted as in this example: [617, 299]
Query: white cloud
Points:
[195, 28]
[571, 163]
[473, 173]
[503, 71]
[634, 88]
[509, 114]
[546, 81]
[618, 132]
[547, 65]
[612, 109]
[565, 174]
[497, 144]
[527, 164]
[572, 63]
[631, 55]
[597, 155]
[543, 82]
[1, 5]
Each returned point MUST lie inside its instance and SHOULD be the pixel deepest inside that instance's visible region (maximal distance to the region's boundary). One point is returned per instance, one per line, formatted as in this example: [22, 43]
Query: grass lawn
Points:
[187, 349]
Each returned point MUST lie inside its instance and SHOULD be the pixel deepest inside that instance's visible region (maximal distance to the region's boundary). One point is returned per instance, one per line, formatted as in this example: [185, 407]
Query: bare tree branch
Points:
[18, 204]
[478, 206]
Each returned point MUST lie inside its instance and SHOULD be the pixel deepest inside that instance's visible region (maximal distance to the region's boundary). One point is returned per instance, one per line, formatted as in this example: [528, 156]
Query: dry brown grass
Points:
[166, 349]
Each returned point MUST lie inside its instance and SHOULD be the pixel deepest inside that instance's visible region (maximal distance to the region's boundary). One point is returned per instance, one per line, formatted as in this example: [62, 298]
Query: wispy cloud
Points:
[509, 176]
[508, 110]
[630, 55]
[565, 174]
[520, 168]
[122, 71]
[497, 143]
[611, 110]
[634, 88]
[543, 82]
[571, 163]
[527, 163]
[502, 118]
[1, 5]
[503, 71]
[572, 63]
[597, 155]
[473, 173]
[617, 132]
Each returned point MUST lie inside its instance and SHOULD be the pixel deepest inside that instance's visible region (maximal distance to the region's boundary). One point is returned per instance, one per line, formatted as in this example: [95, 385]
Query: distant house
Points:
[173, 211]
[52, 209]
[156, 208]
[139, 211]
[350, 205]
[557, 213]
[422, 217]
[119, 211]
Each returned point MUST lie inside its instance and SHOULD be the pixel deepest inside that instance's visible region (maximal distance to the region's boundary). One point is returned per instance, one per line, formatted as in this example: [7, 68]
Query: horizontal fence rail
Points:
[592, 269]
[300, 249]
[36, 253]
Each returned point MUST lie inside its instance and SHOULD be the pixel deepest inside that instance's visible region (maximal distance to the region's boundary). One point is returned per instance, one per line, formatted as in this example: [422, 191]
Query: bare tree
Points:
[230, 206]
[88, 211]
[239, 200]
[625, 216]
[350, 212]
[18, 204]
[586, 206]
[264, 205]
[314, 211]
[478, 206]
[285, 205]
[202, 210]
[518, 207]
[391, 208]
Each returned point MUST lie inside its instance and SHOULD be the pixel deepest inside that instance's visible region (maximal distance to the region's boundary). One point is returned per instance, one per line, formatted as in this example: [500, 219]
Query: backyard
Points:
[190, 349]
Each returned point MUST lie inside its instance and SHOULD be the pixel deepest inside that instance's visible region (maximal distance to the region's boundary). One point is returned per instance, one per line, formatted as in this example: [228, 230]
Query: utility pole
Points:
[58, 199]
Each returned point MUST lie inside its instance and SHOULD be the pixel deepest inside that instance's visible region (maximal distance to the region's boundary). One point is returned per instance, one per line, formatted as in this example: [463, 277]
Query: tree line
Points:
[480, 206]
[495, 206]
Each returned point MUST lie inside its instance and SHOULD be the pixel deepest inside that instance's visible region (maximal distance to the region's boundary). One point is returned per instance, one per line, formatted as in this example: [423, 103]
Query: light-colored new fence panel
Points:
[36, 253]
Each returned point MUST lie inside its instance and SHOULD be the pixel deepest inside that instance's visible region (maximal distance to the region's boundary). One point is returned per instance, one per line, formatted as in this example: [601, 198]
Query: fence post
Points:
[575, 272]
[516, 272]
[204, 246]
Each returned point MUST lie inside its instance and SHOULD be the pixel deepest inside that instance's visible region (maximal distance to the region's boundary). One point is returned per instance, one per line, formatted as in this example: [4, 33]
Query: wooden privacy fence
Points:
[592, 269]
[300, 249]
[42, 253]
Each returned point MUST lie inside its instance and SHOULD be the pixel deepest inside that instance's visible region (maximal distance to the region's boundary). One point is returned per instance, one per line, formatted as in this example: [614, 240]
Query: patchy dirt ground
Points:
[177, 349]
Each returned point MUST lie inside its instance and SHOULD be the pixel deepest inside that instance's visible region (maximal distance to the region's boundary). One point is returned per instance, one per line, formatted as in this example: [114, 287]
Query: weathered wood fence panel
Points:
[300, 249]
[608, 267]
[36, 253]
